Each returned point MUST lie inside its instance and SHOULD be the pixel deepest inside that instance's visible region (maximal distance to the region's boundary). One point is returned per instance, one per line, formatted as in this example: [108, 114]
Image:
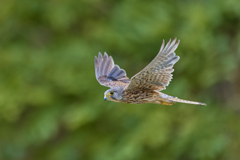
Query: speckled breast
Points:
[138, 97]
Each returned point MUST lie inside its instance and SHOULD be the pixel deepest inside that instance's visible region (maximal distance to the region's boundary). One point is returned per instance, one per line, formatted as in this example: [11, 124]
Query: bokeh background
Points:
[52, 108]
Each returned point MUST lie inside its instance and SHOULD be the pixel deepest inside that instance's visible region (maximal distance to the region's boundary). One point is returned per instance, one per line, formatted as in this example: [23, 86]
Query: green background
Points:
[51, 105]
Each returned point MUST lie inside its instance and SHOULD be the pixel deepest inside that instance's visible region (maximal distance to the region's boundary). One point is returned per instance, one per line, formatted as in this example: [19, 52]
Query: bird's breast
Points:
[138, 97]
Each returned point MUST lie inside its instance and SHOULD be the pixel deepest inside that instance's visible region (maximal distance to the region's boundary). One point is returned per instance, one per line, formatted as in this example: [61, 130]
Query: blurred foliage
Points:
[52, 108]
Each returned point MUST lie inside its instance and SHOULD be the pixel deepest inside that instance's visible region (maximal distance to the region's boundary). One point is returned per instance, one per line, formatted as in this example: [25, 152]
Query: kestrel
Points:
[144, 87]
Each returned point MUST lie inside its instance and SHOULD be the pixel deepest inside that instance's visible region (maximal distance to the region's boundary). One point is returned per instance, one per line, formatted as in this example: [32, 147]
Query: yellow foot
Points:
[166, 103]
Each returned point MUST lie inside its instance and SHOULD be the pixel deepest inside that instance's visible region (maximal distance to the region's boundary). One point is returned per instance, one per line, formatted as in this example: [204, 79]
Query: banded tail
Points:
[175, 99]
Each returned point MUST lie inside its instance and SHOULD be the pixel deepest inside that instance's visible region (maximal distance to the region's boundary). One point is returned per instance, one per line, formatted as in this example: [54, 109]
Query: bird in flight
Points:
[146, 85]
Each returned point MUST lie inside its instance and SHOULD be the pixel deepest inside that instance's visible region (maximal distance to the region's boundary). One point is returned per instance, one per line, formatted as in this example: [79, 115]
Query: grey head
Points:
[114, 94]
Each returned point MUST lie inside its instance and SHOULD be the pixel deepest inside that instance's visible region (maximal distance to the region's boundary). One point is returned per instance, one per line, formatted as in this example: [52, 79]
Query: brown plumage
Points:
[144, 87]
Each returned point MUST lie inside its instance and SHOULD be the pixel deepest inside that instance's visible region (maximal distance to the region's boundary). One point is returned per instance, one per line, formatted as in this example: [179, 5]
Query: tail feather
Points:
[175, 99]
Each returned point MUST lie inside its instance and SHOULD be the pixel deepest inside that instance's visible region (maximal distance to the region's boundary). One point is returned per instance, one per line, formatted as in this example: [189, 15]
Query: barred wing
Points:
[157, 74]
[108, 74]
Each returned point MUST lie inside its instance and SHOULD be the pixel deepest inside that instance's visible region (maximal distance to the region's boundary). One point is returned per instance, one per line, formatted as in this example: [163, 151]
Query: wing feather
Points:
[108, 74]
[157, 74]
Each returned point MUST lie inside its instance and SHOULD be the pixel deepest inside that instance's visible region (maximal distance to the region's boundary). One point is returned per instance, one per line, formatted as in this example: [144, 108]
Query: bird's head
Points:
[112, 95]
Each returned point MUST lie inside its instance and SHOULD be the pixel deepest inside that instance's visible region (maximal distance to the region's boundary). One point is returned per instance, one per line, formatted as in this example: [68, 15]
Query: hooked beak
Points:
[105, 97]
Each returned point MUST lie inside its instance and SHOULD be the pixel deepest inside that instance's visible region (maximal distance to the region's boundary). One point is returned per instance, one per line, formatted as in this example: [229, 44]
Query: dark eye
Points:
[111, 93]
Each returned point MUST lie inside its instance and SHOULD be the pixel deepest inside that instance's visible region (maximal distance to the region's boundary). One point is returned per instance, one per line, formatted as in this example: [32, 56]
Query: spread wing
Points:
[157, 74]
[108, 74]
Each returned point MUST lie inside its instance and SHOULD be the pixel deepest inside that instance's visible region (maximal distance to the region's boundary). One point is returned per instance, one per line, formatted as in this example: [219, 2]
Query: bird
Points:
[145, 86]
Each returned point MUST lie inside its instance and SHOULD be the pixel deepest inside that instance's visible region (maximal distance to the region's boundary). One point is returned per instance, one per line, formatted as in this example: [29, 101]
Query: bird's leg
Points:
[166, 103]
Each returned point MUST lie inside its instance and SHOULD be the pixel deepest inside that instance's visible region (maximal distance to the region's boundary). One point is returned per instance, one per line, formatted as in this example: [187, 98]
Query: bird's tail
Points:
[175, 99]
